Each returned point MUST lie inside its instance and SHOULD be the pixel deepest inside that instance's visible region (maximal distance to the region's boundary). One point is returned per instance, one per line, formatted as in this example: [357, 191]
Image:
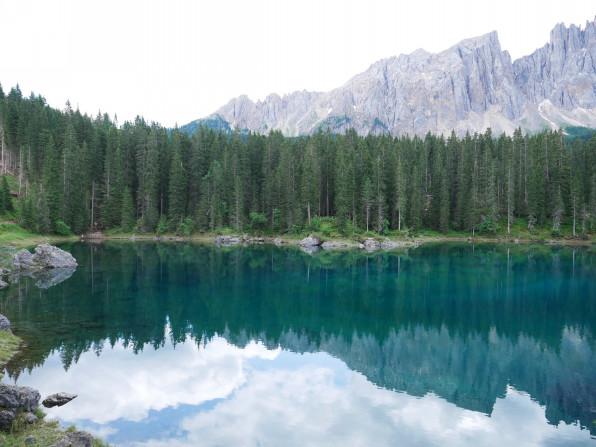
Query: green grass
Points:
[46, 433]
[9, 345]
[14, 234]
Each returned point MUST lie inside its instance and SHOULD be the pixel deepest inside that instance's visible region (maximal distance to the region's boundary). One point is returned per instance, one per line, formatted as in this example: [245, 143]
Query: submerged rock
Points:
[58, 399]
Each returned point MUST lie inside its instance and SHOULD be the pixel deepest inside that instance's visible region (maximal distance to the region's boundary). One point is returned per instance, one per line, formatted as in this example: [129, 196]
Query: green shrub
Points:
[258, 222]
[162, 225]
[62, 229]
[186, 227]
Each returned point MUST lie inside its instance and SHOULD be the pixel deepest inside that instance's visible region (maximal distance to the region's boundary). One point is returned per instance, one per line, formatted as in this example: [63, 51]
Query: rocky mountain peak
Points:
[470, 86]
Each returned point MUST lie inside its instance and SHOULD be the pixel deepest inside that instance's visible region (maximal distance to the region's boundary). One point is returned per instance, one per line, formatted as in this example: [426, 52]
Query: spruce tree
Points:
[6, 196]
[128, 213]
[367, 200]
[177, 189]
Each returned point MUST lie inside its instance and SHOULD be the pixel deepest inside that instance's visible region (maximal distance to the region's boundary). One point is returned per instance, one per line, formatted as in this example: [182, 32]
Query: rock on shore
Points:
[49, 265]
[46, 257]
[16, 399]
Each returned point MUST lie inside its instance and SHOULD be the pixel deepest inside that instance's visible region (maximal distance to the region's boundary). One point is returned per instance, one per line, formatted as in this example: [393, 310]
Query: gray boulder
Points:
[371, 245]
[58, 399]
[49, 257]
[46, 257]
[4, 324]
[15, 399]
[30, 418]
[7, 417]
[30, 440]
[23, 260]
[310, 241]
[75, 439]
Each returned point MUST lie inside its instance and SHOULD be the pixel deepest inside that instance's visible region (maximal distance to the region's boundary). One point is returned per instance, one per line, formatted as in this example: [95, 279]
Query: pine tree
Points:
[177, 189]
[444, 203]
[52, 182]
[128, 213]
[149, 190]
[400, 191]
[310, 180]
[6, 196]
[367, 200]
[43, 222]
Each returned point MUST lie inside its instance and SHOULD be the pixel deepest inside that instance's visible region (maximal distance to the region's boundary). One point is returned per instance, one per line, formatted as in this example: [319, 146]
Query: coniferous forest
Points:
[76, 173]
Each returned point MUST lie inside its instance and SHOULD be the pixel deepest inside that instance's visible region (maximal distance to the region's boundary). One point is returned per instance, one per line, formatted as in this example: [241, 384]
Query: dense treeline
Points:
[81, 173]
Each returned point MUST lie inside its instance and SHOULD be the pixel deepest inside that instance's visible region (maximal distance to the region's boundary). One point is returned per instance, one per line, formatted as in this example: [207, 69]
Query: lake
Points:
[175, 344]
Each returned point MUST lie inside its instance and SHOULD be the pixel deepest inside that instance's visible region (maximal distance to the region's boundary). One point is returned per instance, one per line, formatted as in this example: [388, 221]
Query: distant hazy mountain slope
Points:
[470, 86]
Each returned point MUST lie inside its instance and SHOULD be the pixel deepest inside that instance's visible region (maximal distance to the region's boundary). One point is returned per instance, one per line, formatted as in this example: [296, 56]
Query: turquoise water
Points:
[184, 345]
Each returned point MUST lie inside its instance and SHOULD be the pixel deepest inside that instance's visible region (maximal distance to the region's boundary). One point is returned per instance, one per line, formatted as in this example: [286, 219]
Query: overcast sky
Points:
[175, 61]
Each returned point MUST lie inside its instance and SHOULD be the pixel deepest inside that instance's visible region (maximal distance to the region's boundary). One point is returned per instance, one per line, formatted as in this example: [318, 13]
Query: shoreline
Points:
[342, 242]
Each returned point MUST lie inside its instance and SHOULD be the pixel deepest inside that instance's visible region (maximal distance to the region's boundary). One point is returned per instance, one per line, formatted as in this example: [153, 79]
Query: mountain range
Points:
[470, 86]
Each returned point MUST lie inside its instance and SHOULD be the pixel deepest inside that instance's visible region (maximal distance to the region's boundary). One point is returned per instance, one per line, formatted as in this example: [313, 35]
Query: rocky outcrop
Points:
[58, 399]
[370, 244]
[471, 86]
[75, 439]
[563, 71]
[4, 324]
[46, 256]
[15, 400]
[310, 241]
[48, 266]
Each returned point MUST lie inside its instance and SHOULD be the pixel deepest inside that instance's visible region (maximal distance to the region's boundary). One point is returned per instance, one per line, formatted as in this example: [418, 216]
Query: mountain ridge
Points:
[469, 86]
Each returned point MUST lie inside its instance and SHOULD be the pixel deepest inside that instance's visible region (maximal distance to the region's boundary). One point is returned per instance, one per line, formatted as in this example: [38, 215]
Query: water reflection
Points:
[225, 395]
[439, 344]
[43, 279]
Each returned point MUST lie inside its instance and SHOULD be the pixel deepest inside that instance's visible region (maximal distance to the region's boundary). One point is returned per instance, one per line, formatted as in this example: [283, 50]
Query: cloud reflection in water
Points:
[216, 393]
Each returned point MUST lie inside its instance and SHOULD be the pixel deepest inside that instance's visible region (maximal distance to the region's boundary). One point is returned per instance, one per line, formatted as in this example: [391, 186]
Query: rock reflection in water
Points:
[44, 279]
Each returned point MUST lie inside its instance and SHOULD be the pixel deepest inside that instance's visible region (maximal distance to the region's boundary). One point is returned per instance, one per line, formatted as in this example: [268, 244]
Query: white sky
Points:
[176, 61]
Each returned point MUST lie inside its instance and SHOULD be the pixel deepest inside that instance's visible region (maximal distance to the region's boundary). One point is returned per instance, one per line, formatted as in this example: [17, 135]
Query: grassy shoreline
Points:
[20, 238]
